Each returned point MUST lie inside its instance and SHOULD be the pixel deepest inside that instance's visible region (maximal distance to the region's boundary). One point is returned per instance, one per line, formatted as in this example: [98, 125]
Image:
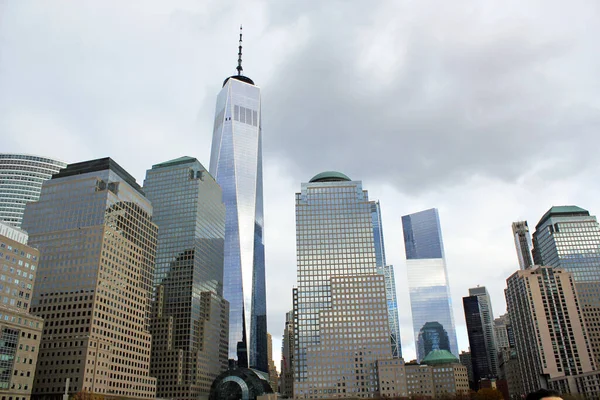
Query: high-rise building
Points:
[551, 340]
[482, 338]
[273, 378]
[522, 243]
[236, 164]
[21, 178]
[508, 362]
[20, 332]
[340, 309]
[465, 359]
[93, 227]
[189, 321]
[390, 281]
[569, 237]
[504, 332]
[286, 378]
[428, 285]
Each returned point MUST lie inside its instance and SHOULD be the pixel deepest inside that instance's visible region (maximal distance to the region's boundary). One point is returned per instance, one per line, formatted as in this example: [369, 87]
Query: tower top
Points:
[239, 68]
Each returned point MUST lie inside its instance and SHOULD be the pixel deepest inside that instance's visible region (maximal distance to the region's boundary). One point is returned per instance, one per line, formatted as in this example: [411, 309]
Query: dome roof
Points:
[436, 357]
[329, 176]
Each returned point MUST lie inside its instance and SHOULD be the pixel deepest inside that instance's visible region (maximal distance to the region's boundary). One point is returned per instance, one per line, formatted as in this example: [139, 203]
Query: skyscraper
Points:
[390, 281]
[428, 285]
[21, 178]
[189, 320]
[569, 237]
[93, 227]
[522, 243]
[286, 380]
[551, 340]
[236, 164]
[482, 337]
[340, 303]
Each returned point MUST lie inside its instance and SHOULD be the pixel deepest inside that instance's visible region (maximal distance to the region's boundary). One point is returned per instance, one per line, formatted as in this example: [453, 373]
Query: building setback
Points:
[97, 241]
[21, 178]
[340, 308]
[236, 164]
[189, 323]
[551, 339]
[20, 332]
[428, 286]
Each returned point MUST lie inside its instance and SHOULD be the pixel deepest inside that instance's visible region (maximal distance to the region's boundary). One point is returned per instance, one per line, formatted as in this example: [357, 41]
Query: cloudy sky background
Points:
[488, 111]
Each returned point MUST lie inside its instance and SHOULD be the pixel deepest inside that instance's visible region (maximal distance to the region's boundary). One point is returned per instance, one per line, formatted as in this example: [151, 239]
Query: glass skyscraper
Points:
[569, 237]
[390, 283]
[236, 164]
[428, 286]
[189, 319]
[341, 323]
[21, 178]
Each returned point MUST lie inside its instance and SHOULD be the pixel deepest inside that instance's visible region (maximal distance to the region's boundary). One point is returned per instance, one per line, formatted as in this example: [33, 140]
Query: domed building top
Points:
[329, 176]
[437, 357]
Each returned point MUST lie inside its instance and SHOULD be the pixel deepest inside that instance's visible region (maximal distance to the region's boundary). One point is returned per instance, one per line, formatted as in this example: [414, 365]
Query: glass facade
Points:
[189, 320]
[522, 243]
[21, 178]
[428, 285]
[340, 307]
[569, 237]
[390, 283]
[236, 164]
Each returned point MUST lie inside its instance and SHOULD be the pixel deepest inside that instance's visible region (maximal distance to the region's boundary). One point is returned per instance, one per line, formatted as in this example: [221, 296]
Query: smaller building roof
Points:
[565, 211]
[329, 176]
[437, 357]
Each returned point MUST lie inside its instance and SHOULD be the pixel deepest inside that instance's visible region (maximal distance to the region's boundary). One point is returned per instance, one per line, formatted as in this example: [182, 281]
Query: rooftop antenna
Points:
[239, 66]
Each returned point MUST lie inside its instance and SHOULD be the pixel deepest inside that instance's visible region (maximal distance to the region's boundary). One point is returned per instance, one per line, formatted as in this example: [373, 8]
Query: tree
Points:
[488, 394]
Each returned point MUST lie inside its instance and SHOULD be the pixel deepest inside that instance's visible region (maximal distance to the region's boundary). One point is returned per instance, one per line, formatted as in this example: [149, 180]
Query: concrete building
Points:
[568, 237]
[391, 375]
[551, 338]
[340, 307]
[93, 227]
[273, 378]
[189, 323]
[286, 378]
[522, 243]
[21, 178]
[465, 359]
[14, 233]
[20, 332]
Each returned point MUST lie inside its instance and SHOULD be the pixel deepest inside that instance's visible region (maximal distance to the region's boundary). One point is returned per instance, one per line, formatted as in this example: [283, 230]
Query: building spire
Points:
[239, 66]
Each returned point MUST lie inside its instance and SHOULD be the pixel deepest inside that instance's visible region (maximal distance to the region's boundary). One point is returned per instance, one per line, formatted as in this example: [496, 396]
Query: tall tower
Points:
[93, 227]
[482, 337]
[390, 282]
[340, 303]
[236, 164]
[569, 237]
[21, 178]
[522, 243]
[189, 320]
[551, 339]
[428, 285]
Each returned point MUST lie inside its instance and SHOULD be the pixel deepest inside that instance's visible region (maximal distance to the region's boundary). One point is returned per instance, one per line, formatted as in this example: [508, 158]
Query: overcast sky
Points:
[488, 111]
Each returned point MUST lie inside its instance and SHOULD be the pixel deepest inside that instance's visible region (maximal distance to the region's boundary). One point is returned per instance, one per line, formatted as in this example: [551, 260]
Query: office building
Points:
[273, 378]
[236, 164]
[390, 281]
[189, 320]
[508, 363]
[428, 285]
[551, 338]
[14, 233]
[286, 378]
[504, 332]
[522, 244]
[93, 227]
[20, 332]
[465, 359]
[21, 178]
[482, 336]
[340, 308]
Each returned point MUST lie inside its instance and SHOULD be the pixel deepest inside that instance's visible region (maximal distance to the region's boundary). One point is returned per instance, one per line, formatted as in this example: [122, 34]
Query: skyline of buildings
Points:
[429, 290]
[236, 164]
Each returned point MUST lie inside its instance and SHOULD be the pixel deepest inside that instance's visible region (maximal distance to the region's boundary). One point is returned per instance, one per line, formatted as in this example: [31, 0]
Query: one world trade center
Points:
[236, 164]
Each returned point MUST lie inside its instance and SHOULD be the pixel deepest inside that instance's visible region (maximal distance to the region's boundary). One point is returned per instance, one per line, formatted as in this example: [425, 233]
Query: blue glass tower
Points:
[236, 164]
[427, 277]
[390, 283]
